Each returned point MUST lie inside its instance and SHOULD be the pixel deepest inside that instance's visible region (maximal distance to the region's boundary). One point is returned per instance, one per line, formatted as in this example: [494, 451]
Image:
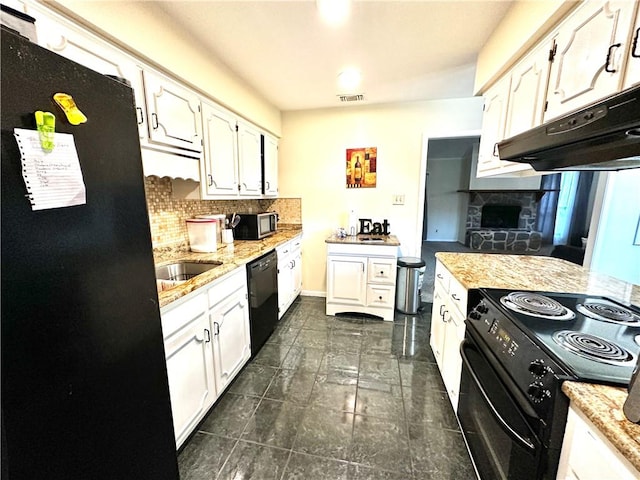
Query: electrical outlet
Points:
[398, 199]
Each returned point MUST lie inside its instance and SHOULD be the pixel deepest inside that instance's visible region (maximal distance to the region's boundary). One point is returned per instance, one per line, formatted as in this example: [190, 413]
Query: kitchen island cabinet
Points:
[447, 329]
[361, 275]
[599, 440]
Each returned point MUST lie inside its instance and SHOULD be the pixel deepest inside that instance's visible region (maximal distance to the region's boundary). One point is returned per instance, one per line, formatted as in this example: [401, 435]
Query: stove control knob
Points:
[537, 392]
[482, 308]
[538, 368]
[475, 315]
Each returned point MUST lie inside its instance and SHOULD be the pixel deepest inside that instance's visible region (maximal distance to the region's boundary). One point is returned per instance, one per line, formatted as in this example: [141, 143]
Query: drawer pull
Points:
[439, 275]
[455, 297]
[606, 65]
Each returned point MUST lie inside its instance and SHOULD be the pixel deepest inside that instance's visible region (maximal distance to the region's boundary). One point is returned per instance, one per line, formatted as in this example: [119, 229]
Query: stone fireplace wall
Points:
[527, 200]
[521, 239]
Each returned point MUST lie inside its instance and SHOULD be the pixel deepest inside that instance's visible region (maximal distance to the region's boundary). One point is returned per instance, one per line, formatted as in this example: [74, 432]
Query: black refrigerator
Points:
[84, 382]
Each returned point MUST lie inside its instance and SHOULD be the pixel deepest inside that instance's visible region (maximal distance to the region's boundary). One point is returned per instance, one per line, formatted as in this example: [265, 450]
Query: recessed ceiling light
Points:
[349, 80]
[334, 12]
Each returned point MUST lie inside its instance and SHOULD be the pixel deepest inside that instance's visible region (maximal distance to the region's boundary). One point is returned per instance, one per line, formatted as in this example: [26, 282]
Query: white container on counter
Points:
[219, 218]
[203, 234]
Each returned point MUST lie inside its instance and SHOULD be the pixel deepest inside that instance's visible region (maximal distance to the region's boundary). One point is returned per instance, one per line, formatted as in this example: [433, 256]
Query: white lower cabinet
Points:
[187, 343]
[448, 328]
[289, 273]
[587, 455]
[361, 279]
[207, 342]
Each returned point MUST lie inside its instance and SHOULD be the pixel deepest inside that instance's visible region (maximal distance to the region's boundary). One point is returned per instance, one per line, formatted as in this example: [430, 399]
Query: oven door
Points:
[501, 441]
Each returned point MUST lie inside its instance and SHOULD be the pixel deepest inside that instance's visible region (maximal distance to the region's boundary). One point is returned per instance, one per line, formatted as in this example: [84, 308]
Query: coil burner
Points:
[536, 305]
[608, 312]
[593, 347]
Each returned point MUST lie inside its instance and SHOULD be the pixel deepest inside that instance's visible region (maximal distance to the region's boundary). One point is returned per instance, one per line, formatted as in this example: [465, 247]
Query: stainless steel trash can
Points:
[408, 284]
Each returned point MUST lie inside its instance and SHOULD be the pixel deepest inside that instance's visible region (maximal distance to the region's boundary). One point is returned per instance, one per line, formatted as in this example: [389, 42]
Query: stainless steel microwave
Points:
[254, 226]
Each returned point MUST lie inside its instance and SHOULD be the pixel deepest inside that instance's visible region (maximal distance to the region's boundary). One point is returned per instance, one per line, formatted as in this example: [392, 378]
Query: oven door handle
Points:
[524, 442]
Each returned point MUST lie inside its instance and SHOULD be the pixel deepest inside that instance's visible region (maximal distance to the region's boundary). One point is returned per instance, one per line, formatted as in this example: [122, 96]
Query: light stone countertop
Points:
[234, 256]
[601, 404]
[530, 272]
[365, 239]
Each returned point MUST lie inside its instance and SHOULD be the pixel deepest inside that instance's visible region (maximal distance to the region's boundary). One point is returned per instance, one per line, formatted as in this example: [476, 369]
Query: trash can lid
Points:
[410, 262]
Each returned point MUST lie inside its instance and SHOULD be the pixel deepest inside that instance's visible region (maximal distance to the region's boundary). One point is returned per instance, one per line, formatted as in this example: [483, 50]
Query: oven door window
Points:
[501, 442]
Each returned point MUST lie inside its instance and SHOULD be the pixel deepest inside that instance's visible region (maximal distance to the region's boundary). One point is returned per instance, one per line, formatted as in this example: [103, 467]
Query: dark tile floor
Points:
[333, 398]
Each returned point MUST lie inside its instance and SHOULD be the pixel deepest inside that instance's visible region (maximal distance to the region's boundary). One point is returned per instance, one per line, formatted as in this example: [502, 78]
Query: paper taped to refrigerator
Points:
[53, 179]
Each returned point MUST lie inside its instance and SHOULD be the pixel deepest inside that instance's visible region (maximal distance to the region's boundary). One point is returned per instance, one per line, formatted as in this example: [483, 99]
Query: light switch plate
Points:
[398, 199]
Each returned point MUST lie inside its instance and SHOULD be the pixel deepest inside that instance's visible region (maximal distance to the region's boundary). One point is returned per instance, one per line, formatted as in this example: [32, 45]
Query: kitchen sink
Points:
[183, 270]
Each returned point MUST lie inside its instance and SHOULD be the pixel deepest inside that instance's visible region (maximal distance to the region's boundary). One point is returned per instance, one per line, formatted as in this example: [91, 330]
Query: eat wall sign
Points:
[368, 227]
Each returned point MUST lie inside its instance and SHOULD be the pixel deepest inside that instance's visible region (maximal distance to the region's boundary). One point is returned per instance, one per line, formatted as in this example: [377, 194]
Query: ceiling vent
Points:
[351, 98]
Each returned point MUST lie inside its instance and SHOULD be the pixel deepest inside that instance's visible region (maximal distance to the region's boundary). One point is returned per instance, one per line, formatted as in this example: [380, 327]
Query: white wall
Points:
[312, 166]
[149, 33]
[444, 202]
[614, 251]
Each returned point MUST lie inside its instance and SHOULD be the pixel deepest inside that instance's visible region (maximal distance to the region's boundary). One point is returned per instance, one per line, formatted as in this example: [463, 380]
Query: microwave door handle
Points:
[524, 442]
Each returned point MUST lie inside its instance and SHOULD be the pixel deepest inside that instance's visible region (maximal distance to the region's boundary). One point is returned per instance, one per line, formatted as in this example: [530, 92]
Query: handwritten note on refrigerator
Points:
[53, 179]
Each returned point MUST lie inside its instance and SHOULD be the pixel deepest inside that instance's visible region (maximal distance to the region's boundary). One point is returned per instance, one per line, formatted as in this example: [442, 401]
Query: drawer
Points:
[226, 285]
[185, 311]
[381, 270]
[443, 277]
[381, 295]
[458, 295]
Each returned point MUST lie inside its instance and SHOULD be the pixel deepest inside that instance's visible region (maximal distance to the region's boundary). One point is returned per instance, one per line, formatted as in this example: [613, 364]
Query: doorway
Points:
[449, 164]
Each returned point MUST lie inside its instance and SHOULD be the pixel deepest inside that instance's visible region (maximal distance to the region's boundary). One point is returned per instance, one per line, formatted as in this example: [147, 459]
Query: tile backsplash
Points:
[167, 214]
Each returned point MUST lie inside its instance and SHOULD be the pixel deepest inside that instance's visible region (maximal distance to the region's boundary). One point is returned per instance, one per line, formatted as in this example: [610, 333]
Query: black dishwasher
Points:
[262, 278]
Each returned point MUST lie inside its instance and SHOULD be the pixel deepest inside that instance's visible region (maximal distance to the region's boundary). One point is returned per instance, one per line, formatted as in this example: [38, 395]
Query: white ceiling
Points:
[406, 50]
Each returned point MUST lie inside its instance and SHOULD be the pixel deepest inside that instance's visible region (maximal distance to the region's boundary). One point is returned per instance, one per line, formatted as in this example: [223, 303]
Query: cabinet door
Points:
[173, 112]
[190, 373]
[219, 170]
[297, 272]
[231, 337]
[527, 92]
[249, 160]
[270, 166]
[346, 280]
[493, 122]
[632, 73]
[591, 47]
[438, 326]
[451, 359]
[285, 280]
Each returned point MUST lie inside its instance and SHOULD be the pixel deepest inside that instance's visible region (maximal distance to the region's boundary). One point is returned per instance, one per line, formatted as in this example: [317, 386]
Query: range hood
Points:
[602, 136]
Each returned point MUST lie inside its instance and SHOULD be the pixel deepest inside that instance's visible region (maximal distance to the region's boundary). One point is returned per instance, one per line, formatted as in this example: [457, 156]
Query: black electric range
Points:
[519, 348]
[595, 339]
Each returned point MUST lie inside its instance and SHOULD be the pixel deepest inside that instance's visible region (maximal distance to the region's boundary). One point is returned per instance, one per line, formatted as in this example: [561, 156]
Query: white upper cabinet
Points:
[591, 49]
[513, 105]
[173, 113]
[270, 166]
[527, 92]
[632, 74]
[219, 167]
[92, 52]
[249, 160]
[493, 122]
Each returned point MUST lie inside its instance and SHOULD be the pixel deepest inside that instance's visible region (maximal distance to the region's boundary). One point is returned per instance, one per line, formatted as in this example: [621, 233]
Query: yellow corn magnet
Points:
[46, 126]
[70, 109]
